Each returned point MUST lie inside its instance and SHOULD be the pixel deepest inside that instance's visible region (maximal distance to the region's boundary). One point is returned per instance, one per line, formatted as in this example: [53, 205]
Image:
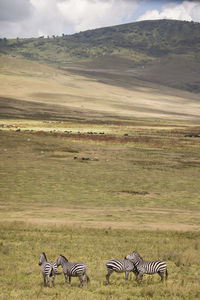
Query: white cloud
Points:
[15, 10]
[54, 17]
[32, 18]
[187, 10]
[84, 14]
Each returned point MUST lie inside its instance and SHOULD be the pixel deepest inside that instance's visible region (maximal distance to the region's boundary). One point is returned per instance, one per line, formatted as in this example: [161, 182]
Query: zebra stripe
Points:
[116, 265]
[148, 267]
[78, 269]
[49, 269]
[120, 266]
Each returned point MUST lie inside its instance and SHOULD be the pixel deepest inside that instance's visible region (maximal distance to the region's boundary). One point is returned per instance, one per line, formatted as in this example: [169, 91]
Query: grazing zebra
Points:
[148, 267]
[78, 269]
[49, 269]
[120, 266]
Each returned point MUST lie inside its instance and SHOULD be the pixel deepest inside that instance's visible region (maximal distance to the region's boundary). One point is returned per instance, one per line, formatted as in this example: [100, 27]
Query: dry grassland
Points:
[88, 96]
[87, 171]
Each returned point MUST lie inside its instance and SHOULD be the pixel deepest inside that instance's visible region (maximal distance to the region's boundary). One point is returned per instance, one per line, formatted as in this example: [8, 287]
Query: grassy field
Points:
[133, 185]
[22, 279]
[94, 164]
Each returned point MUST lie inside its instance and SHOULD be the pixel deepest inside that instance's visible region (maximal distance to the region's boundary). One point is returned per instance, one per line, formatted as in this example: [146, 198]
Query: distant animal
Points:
[148, 267]
[78, 269]
[120, 266]
[49, 269]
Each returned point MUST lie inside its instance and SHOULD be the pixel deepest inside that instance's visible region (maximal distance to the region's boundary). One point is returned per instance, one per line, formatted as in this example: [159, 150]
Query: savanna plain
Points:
[92, 197]
[94, 165]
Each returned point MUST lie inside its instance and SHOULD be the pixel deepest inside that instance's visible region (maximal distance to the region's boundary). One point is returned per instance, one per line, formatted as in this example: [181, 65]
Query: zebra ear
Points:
[44, 255]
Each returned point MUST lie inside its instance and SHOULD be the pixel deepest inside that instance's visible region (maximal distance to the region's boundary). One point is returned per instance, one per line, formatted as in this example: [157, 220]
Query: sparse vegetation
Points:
[21, 276]
[97, 162]
[152, 38]
[140, 193]
[161, 51]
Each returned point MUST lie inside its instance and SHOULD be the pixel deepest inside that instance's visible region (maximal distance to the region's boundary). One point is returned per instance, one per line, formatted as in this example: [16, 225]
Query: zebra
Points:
[78, 269]
[148, 267]
[120, 266]
[49, 269]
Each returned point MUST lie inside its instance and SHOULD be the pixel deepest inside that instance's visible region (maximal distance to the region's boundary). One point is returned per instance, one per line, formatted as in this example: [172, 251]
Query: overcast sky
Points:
[33, 18]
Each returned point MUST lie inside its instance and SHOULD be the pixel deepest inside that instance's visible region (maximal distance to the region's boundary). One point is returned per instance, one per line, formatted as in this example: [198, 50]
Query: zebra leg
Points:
[139, 277]
[48, 284]
[53, 279]
[166, 274]
[126, 275]
[161, 274]
[81, 280]
[70, 279]
[108, 275]
[65, 278]
[45, 283]
[136, 274]
[87, 277]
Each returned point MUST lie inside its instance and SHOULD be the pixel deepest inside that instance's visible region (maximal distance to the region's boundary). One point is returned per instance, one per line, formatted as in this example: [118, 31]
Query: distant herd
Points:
[131, 263]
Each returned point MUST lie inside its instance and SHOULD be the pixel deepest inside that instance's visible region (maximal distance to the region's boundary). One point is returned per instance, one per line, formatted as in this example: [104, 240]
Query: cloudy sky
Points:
[32, 18]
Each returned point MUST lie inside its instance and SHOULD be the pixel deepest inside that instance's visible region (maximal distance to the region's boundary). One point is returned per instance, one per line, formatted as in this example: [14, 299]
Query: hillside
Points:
[36, 91]
[161, 51]
[140, 70]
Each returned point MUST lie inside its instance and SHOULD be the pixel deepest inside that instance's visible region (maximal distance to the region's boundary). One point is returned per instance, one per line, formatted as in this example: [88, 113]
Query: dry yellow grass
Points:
[141, 193]
[30, 81]
[151, 219]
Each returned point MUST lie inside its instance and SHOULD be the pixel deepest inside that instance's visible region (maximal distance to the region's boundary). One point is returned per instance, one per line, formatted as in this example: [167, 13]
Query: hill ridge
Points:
[166, 52]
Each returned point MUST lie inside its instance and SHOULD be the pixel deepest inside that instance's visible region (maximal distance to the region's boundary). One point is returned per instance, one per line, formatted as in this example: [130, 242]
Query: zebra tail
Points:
[58, 273]
[166, 274]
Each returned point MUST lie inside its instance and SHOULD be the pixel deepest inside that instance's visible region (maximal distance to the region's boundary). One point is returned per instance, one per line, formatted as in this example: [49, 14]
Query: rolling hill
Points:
[146, 69]
[161, 51]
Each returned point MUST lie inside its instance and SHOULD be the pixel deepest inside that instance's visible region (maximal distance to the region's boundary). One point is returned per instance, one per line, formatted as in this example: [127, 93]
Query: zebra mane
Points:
[44, 255]
[138, 255]
[63, 257]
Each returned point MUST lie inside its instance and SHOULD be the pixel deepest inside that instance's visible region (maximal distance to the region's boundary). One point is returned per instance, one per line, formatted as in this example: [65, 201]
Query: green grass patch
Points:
[121, 171]
[21, 278]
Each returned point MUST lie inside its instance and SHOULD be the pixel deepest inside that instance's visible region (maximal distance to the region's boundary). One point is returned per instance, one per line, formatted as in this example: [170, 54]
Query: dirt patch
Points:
[109, 224]
[96, 218]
